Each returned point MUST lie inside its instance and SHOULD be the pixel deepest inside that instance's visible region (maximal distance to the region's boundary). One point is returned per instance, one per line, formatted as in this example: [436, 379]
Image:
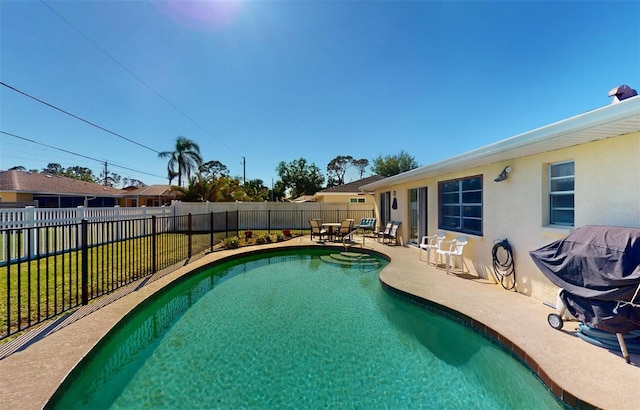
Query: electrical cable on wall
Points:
[504, 269]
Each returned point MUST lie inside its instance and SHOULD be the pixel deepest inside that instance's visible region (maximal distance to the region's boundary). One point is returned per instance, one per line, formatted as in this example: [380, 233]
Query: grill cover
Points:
[596, 266]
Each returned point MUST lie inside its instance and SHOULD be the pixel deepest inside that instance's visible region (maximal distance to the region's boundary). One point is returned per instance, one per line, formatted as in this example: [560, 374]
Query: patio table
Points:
[330, 228]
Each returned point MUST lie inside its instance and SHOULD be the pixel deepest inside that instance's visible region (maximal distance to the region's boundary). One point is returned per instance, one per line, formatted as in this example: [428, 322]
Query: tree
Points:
[361, 165]
[299, 178]
[171, 174]
[337, 168]
[81, 173]
[132, 182]
[279, 192]
[255, 190]
[109, 179]
[202, 188]
[17, 168]
[393, 164]
[53, 169]
[213, 169]
[185, 156]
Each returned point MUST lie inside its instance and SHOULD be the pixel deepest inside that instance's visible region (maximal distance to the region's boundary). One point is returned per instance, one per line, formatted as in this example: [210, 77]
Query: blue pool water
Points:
[290, 330]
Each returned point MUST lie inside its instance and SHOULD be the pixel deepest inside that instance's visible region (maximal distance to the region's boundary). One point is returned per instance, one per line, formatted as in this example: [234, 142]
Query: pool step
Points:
[350, 258]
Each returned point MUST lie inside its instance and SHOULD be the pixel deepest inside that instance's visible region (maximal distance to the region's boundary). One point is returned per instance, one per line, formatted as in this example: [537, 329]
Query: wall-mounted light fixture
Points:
[504, 174]
[394, 203]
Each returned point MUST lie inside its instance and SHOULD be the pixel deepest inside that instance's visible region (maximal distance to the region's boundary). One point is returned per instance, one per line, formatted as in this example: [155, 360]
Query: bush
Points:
[231, 243]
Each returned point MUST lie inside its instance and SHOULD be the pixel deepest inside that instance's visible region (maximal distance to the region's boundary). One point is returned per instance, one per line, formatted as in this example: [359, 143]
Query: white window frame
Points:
[558, 193]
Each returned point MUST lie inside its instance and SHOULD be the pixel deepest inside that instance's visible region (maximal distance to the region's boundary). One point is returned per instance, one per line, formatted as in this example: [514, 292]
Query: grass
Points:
[43, 288]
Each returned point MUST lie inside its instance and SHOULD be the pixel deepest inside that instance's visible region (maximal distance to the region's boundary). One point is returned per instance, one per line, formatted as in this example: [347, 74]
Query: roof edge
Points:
[599, 116]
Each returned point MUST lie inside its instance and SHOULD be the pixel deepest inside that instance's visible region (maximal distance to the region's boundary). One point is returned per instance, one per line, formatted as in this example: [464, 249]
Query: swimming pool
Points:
[291, 330]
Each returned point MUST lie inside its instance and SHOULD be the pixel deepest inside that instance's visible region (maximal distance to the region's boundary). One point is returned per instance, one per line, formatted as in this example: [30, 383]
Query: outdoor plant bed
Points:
[235, 242]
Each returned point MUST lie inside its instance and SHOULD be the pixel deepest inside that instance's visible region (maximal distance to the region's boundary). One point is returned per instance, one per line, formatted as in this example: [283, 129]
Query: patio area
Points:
[581, 374]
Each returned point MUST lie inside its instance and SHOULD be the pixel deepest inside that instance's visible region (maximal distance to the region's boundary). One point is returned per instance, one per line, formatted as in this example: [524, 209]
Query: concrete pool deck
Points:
[579, 373]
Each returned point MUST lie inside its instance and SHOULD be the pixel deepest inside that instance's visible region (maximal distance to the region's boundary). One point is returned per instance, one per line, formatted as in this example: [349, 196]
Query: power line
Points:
[138, 78]
[77, 117]
[79, 155]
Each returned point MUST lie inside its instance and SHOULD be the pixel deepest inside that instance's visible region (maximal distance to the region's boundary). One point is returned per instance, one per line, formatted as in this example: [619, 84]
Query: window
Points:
[460, 205]
[561, 193]
[356, 200]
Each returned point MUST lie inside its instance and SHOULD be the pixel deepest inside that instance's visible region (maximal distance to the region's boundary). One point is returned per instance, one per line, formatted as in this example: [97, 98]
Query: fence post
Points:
[154, 245]
[30, 222]
[211, 229]
[226, 224]
[143, 223]
[119, 222]
[269, 221]
[85, 263]
[190, 236]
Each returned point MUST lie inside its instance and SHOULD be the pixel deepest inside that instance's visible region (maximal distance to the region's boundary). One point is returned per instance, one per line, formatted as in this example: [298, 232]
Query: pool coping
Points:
[38, 369]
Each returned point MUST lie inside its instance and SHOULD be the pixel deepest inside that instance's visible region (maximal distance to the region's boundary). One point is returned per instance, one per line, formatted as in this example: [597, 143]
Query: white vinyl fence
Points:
[31, 217]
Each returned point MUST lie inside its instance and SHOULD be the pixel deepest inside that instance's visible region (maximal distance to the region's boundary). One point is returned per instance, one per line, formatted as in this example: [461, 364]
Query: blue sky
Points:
[275, 81]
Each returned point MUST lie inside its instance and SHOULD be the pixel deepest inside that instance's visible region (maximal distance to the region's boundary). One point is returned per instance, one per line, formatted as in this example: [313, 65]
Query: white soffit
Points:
[610, 121]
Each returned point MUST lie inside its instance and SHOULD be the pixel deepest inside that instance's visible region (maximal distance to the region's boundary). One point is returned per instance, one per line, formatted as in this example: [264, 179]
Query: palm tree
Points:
[186, 156]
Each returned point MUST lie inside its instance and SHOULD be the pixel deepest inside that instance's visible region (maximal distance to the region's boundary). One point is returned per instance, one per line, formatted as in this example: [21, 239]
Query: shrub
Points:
[231, 243]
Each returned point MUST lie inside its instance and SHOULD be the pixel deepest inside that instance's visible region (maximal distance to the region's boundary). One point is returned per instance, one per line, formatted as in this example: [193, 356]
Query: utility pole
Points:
[244, 171]
[106, 175]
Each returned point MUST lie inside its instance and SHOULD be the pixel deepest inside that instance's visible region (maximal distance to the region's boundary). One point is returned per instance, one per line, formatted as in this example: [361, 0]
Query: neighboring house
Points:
[584, 170]
[348, 193]
[54, 191]
[152, 195]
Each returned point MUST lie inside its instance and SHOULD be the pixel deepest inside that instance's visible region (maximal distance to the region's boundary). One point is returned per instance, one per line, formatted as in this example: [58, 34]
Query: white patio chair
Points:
[431, 243]
[451, 250]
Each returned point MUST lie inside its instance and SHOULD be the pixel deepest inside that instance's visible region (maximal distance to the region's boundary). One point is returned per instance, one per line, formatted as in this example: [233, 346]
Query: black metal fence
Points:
[48, 270]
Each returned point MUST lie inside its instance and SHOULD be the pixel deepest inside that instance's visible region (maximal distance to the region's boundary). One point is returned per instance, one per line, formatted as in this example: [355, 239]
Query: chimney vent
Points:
[622, 93]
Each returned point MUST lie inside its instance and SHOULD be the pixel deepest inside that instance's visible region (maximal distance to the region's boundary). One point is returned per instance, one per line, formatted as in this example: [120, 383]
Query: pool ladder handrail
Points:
[350, 235]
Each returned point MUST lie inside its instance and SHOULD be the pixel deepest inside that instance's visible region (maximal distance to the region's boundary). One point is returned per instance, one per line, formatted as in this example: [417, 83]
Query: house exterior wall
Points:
[15, 197]
[607, 192]
[343, 198]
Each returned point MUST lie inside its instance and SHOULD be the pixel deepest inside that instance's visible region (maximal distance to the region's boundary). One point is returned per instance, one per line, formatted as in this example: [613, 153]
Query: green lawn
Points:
[36, 290]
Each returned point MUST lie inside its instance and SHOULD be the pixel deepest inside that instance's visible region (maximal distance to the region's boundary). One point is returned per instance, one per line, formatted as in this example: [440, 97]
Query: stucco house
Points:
[531, 189]
[151, 195]
[43, 190]
[348, 193]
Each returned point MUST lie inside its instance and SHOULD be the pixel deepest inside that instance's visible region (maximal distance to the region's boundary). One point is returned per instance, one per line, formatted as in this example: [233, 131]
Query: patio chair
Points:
[367, 225]
[316, 229]
[392, 235]
[345, 229]
[387, 230]
[431, 243]
[451, 250]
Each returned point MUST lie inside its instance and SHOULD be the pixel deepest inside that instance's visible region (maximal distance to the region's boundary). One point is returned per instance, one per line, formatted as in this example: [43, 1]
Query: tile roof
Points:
[41, 183]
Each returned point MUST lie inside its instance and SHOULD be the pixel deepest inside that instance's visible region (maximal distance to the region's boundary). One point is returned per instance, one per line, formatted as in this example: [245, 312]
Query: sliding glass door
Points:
[417, 214]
